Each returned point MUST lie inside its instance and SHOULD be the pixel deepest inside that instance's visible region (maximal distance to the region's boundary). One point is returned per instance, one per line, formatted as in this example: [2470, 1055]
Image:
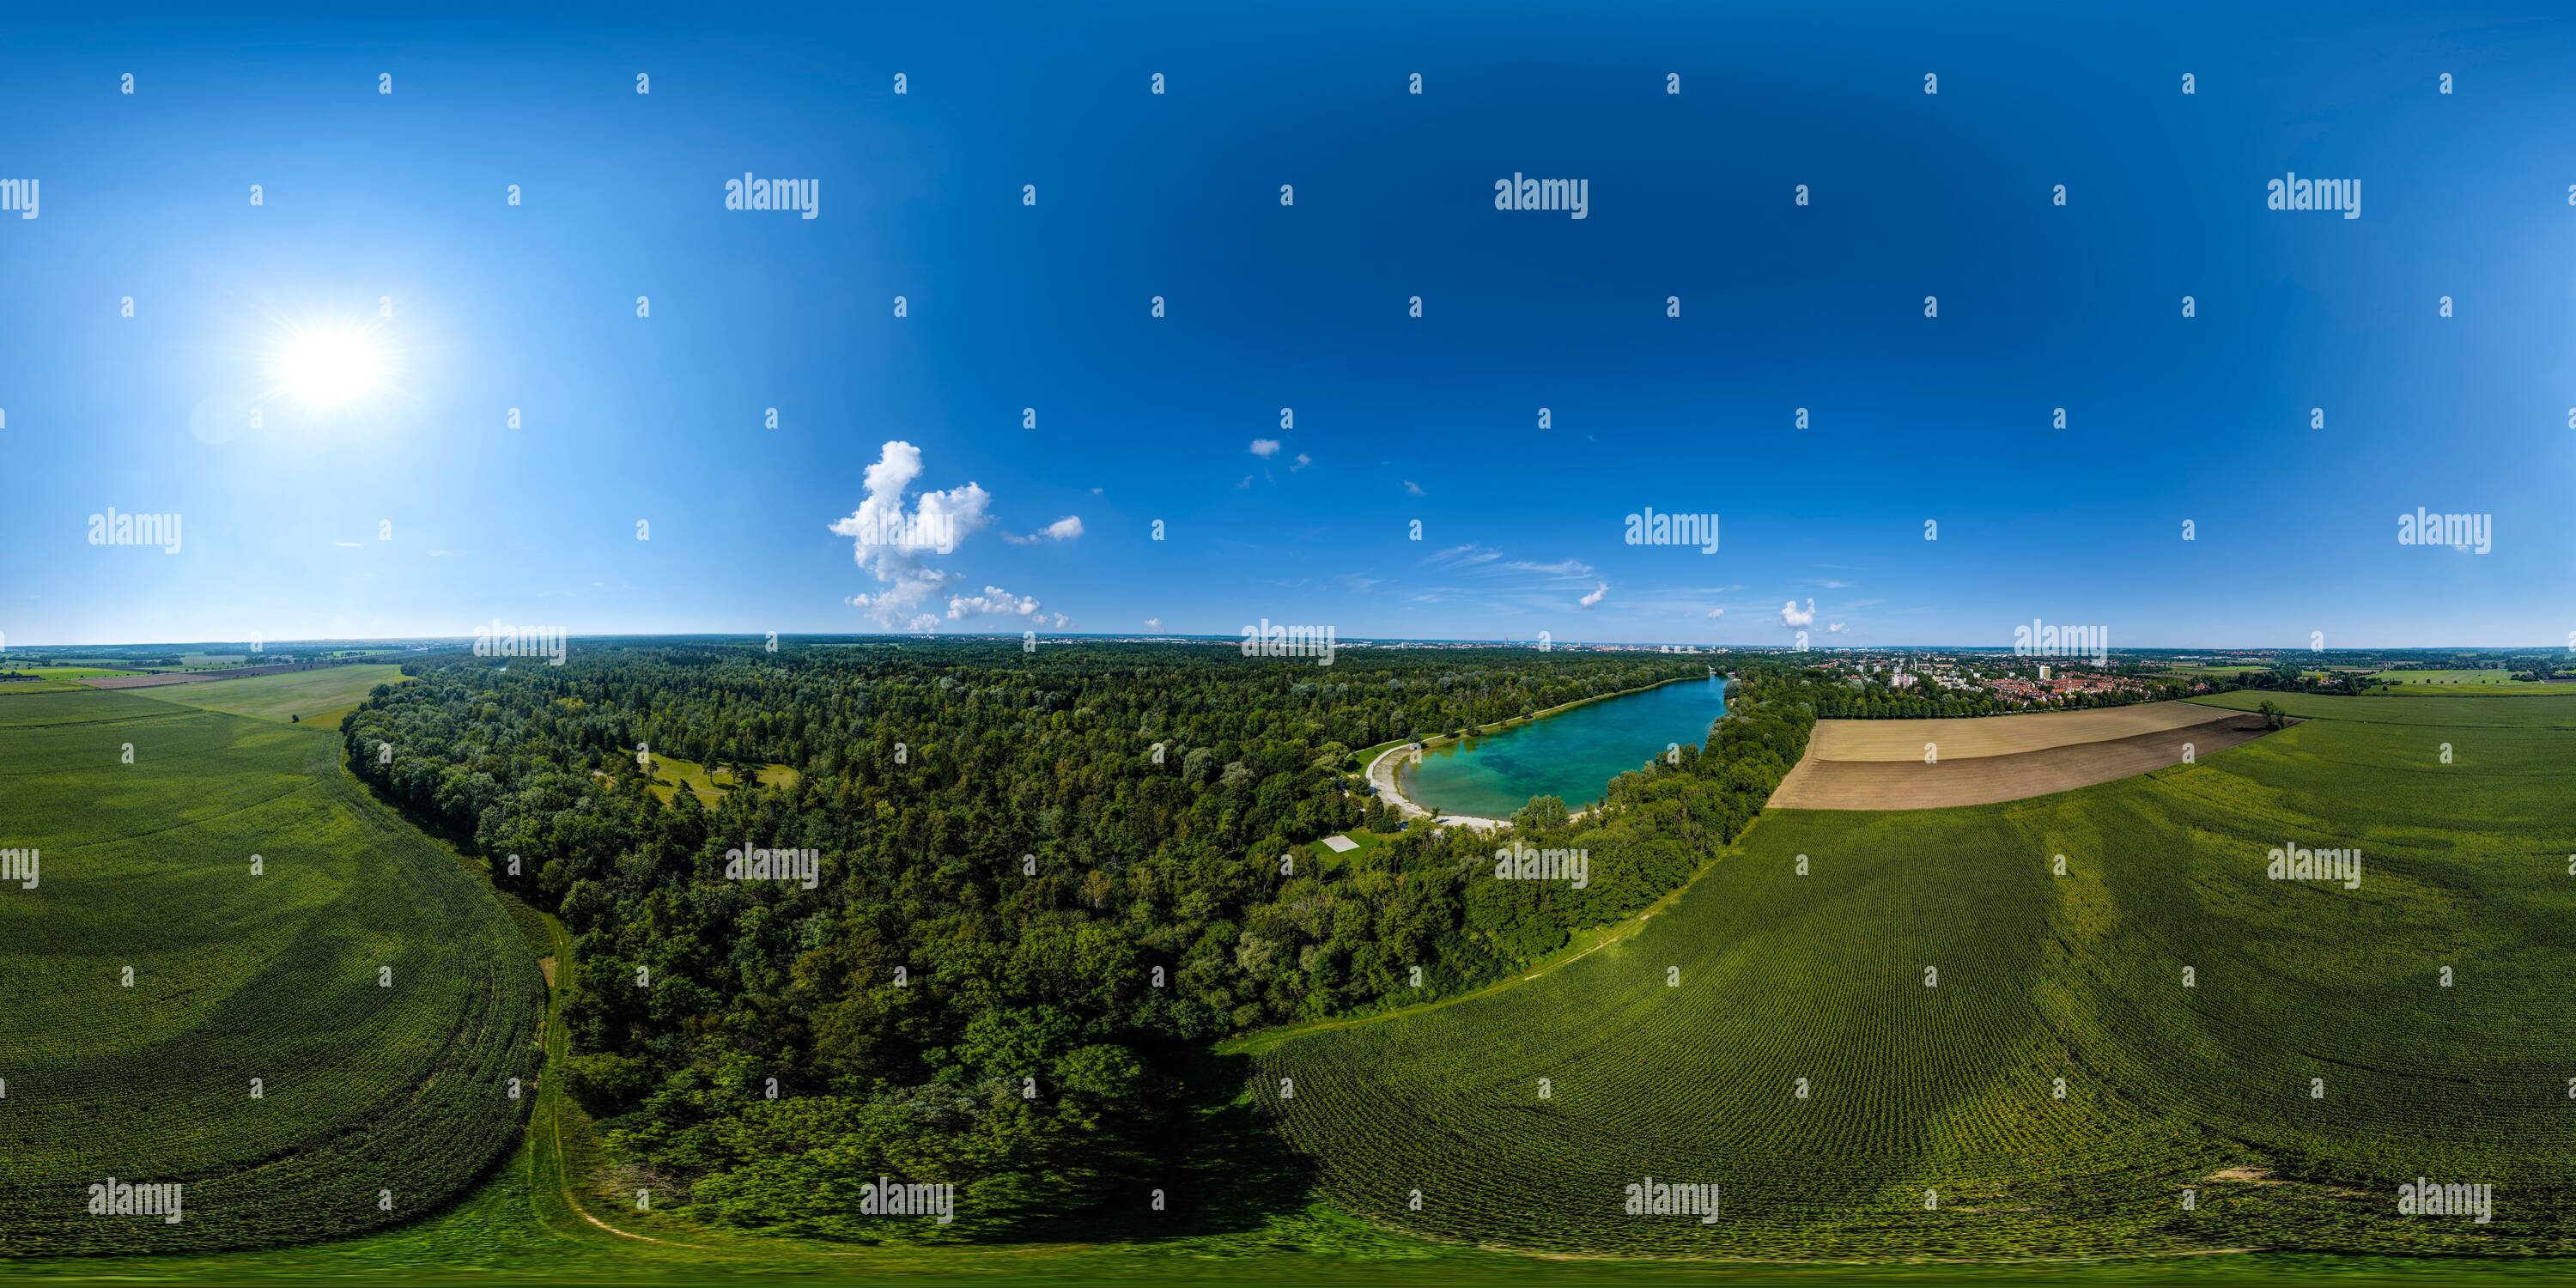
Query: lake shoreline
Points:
[1382, 774]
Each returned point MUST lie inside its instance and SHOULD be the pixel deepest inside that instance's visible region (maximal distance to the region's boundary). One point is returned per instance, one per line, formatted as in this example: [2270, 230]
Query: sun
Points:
[331, 366]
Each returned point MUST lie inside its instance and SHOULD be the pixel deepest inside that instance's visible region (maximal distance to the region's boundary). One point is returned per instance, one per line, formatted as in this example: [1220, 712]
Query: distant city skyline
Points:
[404, 331]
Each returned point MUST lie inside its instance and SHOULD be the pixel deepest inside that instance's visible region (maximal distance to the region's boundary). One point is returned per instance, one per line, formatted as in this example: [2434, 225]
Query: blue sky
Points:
[368, 196]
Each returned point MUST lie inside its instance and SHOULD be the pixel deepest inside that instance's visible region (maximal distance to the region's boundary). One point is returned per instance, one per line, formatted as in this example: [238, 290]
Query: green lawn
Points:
[1322, 854]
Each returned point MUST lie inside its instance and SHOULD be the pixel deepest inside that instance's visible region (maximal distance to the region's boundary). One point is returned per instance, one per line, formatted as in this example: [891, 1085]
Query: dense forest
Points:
[1047, 881]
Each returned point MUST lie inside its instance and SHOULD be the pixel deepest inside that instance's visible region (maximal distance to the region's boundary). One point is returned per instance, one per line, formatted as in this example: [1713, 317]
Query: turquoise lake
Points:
[1572, 754]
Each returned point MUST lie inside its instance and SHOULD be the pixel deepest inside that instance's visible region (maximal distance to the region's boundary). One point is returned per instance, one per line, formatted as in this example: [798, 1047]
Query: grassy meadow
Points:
[670, 774]
[318, 698]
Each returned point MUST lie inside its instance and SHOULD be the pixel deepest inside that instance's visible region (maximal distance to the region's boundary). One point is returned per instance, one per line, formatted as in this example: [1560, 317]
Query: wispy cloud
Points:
[1064, 529]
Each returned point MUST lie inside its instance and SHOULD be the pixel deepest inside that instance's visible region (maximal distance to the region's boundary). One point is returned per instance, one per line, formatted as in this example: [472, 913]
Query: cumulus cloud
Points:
[1595, 597]
[1064, 529]
[1303, 460]
[995, 602]
[1265, 448]
[895, 532]
[1153, 623]
[1791, 615]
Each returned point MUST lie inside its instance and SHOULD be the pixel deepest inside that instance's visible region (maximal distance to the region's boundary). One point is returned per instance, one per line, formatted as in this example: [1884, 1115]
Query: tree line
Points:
[1048, 882]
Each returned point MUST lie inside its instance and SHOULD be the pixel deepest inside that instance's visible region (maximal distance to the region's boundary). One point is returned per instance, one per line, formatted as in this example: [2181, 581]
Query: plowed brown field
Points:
[1879, 764]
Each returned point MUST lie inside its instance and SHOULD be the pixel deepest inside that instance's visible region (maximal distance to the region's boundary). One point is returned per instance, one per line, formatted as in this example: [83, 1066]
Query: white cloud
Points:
[995, 602]
[1595, 597]
[1791, 616]
[1715, 613]
[1064, 529]
[894, 536]
[1265, 448]
[1574, 568]
[1153, 623]
[1303, 460]
[1831, 584]
[1247, 482]
[1412, 488]
[1835, 629]
[1465, 555]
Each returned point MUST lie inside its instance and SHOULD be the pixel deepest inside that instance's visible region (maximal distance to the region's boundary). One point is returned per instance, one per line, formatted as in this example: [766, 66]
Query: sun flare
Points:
[332, 365]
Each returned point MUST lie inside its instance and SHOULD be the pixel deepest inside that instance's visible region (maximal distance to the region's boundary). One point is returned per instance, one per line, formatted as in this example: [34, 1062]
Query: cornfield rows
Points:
[368, 983]
[2315, 1063]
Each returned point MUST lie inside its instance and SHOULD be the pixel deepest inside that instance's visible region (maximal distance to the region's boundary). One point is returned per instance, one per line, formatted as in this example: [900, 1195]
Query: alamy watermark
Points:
[2294, 862]
[1673, 1198]
[886, 1196]
[2421, 1197]
[114, 528]
[2471, 532]
[1647, 528]
[19, 866]
[1269, 640]
[2039, 639]
[2291, 192]
[803, 867]
[803, 196]
[902, 531]
[499, 640]
[1573, 196]
[1521, 861]
[117, 1198]
[18, 195]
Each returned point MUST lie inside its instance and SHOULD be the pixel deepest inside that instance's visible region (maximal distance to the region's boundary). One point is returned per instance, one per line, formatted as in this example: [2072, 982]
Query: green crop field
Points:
[1932, 1124]
[317, 698]
[51, 679]
[22, 682]
[2485, 678]
[381, 1096]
